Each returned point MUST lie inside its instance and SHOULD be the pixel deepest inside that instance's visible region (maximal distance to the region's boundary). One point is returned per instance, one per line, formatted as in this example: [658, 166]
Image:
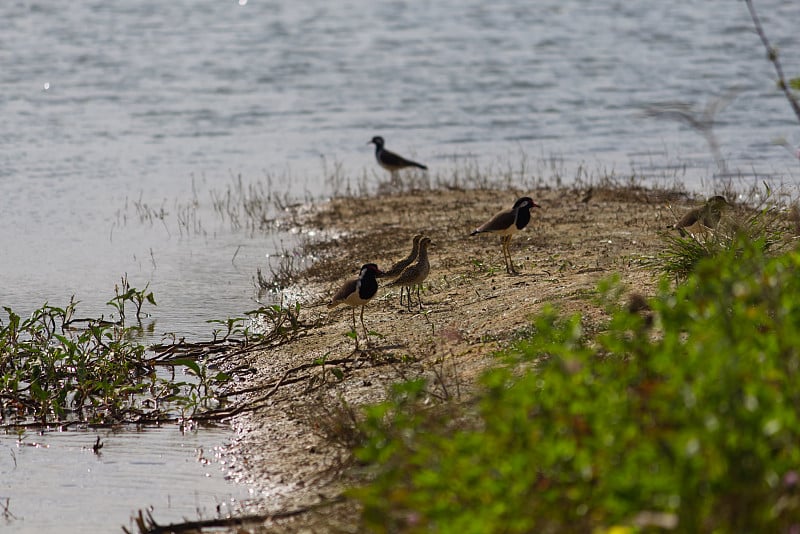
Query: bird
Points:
[415, 274]
[708, 215]
[398, 267]
[358, 292]
[389, 160]
[508, 222]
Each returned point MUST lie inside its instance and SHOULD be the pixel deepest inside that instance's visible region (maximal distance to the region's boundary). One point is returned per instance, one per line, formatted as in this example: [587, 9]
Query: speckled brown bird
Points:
[358, 292]
[708, 215]
[398, 267]
[415, 274]
[506, 223]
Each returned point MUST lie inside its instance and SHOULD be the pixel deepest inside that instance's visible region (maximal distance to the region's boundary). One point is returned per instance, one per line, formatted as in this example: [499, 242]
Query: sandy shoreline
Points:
[472, 309]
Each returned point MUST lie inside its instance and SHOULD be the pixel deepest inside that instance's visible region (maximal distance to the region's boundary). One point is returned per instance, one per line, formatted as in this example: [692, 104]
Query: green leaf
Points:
[222, 377]
[191, 364]
[37, 392]
[794, 83]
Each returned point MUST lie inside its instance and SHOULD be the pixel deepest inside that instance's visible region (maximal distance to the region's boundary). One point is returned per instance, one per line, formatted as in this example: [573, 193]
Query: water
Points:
[110, 105]
[55, 483]
[105, 103]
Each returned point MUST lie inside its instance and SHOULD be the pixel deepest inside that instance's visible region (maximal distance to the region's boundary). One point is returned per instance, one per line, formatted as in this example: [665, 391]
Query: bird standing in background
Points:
[415, 274]
[506, 223]
[358, 292]
[708, 215]
[391, 161]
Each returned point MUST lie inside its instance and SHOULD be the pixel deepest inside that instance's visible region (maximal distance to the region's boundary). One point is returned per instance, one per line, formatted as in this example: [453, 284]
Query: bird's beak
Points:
[535, 205]
[370, 142]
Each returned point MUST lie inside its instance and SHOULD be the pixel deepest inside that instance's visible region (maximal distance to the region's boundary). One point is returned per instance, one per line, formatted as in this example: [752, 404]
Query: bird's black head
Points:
[377, 141]
[525, 203]
[370, 268]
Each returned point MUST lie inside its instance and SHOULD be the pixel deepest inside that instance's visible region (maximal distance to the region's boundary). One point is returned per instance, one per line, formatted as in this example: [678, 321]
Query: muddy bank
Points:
[291, 448]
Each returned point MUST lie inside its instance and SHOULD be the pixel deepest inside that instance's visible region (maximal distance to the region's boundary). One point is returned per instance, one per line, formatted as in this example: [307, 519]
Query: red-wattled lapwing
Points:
[391, 161]
[708, 215]
[358, 292]
[415, 274]
[506, 223]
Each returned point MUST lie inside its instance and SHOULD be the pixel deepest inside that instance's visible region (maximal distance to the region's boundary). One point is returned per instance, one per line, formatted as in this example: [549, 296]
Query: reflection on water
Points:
[54, 482]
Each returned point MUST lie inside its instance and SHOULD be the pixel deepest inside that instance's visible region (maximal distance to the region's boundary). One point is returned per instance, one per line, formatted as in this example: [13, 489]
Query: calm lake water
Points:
[55, 483]
[113, 112]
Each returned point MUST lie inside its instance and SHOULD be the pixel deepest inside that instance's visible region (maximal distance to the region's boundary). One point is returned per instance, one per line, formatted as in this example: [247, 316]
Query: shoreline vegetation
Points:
[302, 402]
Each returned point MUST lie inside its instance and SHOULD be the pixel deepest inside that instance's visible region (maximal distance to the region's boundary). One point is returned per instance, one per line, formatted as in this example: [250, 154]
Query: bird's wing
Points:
[689, 219]
[395, 160]
[345, 291]
[398, 267]
[501, 220]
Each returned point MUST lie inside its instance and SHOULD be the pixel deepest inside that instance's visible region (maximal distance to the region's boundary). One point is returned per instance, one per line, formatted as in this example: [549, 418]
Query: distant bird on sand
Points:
[391, 161]
[358, 292]
[506, 223]
[708, 215]
[398, 267]
[415, 274]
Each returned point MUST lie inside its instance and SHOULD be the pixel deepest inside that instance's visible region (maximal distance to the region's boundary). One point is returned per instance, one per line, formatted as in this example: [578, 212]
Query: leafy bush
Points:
[691, 424]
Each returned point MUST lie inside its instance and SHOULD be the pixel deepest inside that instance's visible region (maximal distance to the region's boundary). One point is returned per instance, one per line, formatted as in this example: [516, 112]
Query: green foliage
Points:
[682, 254]
[199, 393]
[267, 323]
[52, 371]
[125, 294]
[690, 425]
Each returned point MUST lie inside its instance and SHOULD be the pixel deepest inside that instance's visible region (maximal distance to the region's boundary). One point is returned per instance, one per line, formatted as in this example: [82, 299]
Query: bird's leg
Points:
[354, 325]
[507, 255]
[366, 332]
[510, 260]
[419, 298]
[503, 249]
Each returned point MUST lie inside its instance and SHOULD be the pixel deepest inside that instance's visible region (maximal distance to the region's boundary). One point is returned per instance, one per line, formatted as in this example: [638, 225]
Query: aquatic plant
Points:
[56, 369]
